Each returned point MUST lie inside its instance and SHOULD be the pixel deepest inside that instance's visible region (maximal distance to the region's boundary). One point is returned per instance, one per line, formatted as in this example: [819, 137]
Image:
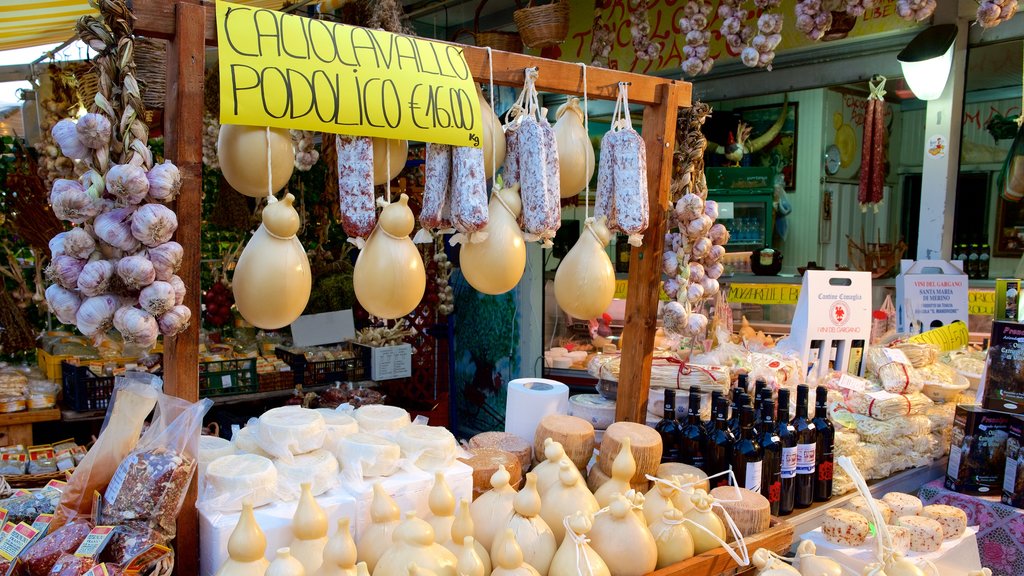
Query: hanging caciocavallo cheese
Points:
[371, 454]
[574, 434]
[230, 479]
[429, 448]
[381, 418]
[645, 444]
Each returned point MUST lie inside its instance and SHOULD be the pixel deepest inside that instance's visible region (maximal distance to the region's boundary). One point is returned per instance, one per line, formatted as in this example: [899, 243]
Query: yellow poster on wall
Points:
[663, 17]
[287, 71]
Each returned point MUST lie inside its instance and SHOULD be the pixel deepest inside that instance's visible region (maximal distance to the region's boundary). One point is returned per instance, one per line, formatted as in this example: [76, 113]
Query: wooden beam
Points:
[183, 134]
[659, 132]
[155, 20]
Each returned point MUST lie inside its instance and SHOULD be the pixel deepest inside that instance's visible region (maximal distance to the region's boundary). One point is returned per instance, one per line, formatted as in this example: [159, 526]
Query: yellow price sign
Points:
[621, 288]
[950, 337]
[981, 302]
[764, 293]
[287, 71]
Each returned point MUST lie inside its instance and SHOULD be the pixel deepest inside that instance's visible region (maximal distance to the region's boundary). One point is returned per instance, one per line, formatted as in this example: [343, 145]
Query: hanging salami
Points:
[435, 211]
[622, 175]
[873, 148]
[468, 194]
[355, 187]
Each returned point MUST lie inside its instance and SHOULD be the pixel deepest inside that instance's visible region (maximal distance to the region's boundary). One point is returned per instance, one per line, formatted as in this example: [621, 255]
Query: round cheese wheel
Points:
[234, 478]
[859, 505]
[644, 441]
[506, 442]
[371, 454]
[291, 430]
[338, 425]
[751, 511]
[574, 434]
[247, 441]
[593, 408]
[485, 462]
[900, 539]
[381, 418]
[429, 448]
[953, 520]
[845, 527]
[925, 533]
[667, 470]
[319, 468]
[211, 448]
[903, 504]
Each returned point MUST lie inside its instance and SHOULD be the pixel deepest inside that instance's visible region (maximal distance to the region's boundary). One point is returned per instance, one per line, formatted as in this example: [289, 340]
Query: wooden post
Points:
[659, 132]
[183, 136]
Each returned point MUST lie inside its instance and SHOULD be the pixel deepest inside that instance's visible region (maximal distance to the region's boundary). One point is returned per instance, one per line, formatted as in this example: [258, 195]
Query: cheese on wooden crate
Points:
[645, 443]
[319, 468]
[381, 418]
[506, 442]
[485, 462]
[925, 533]
[370, 454]
[593, 408]
[845, 527]
[230, 479]
[903, 504]
[576, 436]
[953, 520]
[427, 447]
[751, 512]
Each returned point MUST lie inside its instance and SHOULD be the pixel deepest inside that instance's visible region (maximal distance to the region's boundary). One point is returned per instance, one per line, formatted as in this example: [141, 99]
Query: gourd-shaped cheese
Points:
[441, 502]
[636, 501]
[575, 557]
[492, 510]
[768, 564]
[242, 153]
[389, 277]
[309, 528]
[670, 469]
[901, 566]
[623, 540]
[547, 470]
[246, 547]
[567, 497]
[495, 265]
[702, 515]
[682, 498]
[657, 500]
[585, 279]
[493, 142]
[340, 553]
[813, 565]
[532, 533]
[285, 565]
[623, 468]
[384, 519]
[462, 530]
[673, 540]
[272, 279]
[413, 543]
[508, 558]
[468, 563]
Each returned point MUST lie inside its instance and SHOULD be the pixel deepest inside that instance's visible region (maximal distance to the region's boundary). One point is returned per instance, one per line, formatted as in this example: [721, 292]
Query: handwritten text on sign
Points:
[291, 72]
[764, 293]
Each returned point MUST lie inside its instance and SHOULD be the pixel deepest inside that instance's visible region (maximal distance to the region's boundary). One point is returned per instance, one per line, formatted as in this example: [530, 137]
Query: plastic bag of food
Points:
[42, 394]
[70, 565]
[130, 540]
[149, 486]
[42, 466]
[13, 464]
[27, 507]
[135, 394]
[40, 558]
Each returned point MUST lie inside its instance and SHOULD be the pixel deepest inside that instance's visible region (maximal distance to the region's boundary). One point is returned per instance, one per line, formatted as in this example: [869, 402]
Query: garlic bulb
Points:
[166, 259]
[696, 324]
[701, 247]
[95, 277]
[70, 201]
[669, 263]
[65, 134]
[719, 235]
[56, 244]
[711, 209]
[698, 226]
[696, 271]
[93, 130]
[710, 287]
[96, 314]
[136, 271]
[671, 287]
[689, 207]
[715, 254]
[136, 326]
[157, 298]
[115, 228]
[127, 183]
[154, 224]
[715, 270]
[63, 303]
[575, 152]
[172, 322]
[164, 181]
[78, 243]
[694, 292]
[179, 289]
[64, 270]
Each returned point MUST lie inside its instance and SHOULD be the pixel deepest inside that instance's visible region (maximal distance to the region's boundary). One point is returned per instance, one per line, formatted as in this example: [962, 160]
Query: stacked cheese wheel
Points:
[574, 434]
[645, 443]
[371, 452]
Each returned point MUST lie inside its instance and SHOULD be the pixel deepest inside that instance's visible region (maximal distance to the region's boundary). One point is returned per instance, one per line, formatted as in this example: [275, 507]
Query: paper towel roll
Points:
[529, 400]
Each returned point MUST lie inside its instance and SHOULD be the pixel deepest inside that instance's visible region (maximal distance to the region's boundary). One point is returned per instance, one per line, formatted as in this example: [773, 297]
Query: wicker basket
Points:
[151, 70]
[496, 39]
[35, 480]
[545, 25]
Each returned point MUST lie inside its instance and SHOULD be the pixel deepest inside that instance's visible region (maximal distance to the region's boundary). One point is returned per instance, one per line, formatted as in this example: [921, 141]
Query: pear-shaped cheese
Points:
[413, 543]
[551, 455]
[285, 565]
[569, 496]
[309, 528]
[623, 468]
[575, 557]
[384, 519]
[657, 500]
[492, 510]
[508, 558]
[340, 553]
[532, 533]
[389, 277]
[495, 265]
[246, 547]
[585, 279]
[622, 539]
[461, 533]
[702, 515]
[441, 502]
[468, 562]
[674, 541]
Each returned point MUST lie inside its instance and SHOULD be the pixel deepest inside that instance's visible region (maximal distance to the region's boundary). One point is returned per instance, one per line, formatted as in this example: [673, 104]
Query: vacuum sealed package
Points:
[39, 559]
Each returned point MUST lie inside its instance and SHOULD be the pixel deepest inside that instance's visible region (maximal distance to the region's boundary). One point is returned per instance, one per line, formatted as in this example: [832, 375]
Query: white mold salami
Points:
[469, 194]
[355, 187]
[436, 185]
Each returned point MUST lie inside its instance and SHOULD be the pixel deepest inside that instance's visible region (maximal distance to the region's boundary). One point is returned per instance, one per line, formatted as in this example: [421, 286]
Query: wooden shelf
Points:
[29, 417]
[778, 538]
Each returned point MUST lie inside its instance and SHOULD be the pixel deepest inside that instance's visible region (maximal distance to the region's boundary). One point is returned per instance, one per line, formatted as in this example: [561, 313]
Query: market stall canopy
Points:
[24, 24]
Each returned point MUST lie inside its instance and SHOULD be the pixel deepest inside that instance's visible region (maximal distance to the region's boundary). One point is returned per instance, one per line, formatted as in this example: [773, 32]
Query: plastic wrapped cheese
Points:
[234, 478]
[211, 448]
[593, 408]
[925, 533]
[845, 527]
[368, 455]
[319, 468]
[246, 440]
[378, 418]
[953, 520]
[428, 448]
[337, 425]
[289, 430]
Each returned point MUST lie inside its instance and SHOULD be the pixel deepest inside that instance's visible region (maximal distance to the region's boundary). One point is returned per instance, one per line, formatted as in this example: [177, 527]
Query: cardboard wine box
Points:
[1013, 473]
[977, 451]
[1004, 371]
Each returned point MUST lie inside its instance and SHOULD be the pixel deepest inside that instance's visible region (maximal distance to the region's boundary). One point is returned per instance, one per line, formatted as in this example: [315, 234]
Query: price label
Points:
[882, 395]
[852, 383]
[896, 355]
[17, 540]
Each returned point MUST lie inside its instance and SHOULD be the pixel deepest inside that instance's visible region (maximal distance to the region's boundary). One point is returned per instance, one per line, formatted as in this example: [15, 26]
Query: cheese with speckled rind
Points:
[903, 504]
[900, 536]
[576, 436]
[373, 455]
[379, 418]
[645, 443]
[506, 442]
[669, 469]
[429, 448]
[751, 511]
[860, 506]
[231, 479]
[845, 527]
[319, 468]
[593, 408]
[925, 533]
[953, 520]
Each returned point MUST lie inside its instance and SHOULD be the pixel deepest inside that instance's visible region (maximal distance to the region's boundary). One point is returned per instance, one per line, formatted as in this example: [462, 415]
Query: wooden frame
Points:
[190, 27]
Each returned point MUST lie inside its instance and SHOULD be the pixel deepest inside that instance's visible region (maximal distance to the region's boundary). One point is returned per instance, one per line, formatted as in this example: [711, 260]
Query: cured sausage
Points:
[355, 187]
[629, 182]
[605, 202]
[553, 181]
[436, 185]
[469, 194]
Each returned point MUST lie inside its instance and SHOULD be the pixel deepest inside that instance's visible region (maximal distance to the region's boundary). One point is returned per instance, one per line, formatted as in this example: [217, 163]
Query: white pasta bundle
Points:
[846, 442]
[882, 405]
[887, 431]
[894, 371]
[941, 415]
[919, 354]
[665, 373]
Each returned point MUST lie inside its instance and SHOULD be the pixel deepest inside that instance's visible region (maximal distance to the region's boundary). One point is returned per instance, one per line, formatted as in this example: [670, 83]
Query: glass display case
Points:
[745, 197]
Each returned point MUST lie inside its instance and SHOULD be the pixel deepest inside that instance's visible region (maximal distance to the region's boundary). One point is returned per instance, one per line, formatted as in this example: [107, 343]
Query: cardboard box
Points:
[977, 451]
[930, 294]
[1007, 295]
[832, 320]
[1013, 473]
[1003, 380]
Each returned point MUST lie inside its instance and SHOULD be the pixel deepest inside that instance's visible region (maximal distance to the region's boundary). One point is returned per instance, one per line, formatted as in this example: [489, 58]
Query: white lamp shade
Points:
[927, 78]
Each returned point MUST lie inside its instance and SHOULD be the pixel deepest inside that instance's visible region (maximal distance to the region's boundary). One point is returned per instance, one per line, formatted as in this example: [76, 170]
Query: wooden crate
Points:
[777, 538]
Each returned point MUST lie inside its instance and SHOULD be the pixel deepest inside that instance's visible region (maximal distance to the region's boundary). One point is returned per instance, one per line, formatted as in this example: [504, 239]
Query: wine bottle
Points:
[742, 401]
[718, 454]
[691, 442]
[825, 438]
[747, 456]
[805, 445]
[771, 468]
[742, 381]
[787, 440]
[759, 387]
[709, 425]
[670, 429]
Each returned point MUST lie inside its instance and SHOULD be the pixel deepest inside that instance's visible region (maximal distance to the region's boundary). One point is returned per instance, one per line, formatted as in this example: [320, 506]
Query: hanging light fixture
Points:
[927, 59]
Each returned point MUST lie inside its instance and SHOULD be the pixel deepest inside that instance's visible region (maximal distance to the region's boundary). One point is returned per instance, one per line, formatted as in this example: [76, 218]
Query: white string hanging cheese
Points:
[238, 147]
[575, 557]
[389, 277]
[622, 176]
